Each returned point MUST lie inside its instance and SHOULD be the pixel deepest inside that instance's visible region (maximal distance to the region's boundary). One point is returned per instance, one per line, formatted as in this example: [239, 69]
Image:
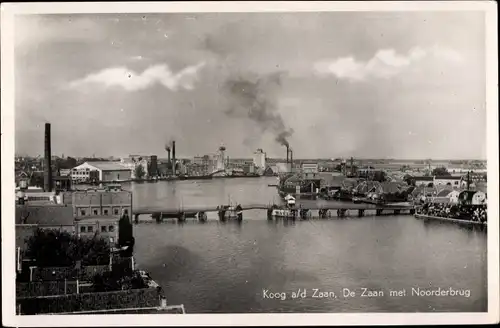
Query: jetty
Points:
[303, 209]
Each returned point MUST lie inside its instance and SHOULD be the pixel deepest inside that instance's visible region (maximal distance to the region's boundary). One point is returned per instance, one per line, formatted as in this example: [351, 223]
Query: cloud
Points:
[386, 63]
[132, 81]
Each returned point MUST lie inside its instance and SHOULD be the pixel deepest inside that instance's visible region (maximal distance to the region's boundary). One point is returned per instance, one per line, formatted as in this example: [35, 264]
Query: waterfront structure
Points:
[220, 158]
[133, 161]
[106, 171]
[101, 203]
[259, 160]
[81, 174]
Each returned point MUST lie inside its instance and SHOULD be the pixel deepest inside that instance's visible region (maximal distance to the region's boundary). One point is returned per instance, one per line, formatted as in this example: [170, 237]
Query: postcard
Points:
[249, 163]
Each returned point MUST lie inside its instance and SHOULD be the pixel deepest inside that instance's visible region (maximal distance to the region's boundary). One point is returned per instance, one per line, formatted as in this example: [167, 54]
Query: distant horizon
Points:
[268, 157]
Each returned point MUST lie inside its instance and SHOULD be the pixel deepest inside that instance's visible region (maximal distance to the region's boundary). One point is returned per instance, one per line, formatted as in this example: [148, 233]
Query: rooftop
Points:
[55, 215]
[108, 166]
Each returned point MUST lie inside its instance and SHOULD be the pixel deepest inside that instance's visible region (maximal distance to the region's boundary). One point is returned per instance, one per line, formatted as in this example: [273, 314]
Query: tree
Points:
[139, 172]
[55, 248]
[441, 172]
[409, 180]
[379, 176]
[126, 234]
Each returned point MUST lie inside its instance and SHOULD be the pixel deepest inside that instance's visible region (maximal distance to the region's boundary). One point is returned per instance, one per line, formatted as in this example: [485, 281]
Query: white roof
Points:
[103, 166]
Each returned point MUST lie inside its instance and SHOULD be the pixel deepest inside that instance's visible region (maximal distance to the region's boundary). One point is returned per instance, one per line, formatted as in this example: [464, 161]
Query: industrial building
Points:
[105, 171]
[259, 160]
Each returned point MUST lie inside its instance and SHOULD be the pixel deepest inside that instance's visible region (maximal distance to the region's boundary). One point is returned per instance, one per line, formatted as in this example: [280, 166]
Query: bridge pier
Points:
[222, 215]
[341, 212]
[361, 213]
[303, 213]
[397, 212]
[159, 217]
[181, 217]
[378, 212]
[269, 213]
[412, 211]
[202, 216]
[136, 218]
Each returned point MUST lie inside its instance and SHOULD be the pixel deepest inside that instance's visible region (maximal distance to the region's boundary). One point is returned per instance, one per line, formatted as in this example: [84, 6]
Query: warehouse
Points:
[106, 171]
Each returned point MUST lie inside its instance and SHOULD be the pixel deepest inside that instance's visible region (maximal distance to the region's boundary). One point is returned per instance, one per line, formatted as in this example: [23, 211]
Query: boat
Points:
[440, 218]
[195, 177]
[284, 213]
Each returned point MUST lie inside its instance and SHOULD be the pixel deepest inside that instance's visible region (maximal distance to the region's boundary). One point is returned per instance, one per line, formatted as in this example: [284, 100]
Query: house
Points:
[423, 181]
[453, 196]
[106, 171]
[29, 218]
[102, 225]
[466, 196]
[454, 181]
[479, 198]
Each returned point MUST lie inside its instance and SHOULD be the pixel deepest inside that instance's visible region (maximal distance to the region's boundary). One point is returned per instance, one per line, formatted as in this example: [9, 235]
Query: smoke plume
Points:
[255, 99]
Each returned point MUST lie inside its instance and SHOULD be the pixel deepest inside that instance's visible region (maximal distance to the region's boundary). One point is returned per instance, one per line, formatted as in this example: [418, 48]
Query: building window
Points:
[90, 229]
[125, 212]
[103, 228]
[456, 182]
[105, 212]
[95, 212]
[82, 229]
[118, 177]
[116, 211]
[82, 212]
[111, 228]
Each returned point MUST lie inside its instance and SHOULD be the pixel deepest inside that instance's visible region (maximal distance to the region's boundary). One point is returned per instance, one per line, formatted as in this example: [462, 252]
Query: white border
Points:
[8, 10]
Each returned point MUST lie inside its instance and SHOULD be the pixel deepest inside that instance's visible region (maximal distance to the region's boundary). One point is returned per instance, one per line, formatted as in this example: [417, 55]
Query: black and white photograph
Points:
[237, 159]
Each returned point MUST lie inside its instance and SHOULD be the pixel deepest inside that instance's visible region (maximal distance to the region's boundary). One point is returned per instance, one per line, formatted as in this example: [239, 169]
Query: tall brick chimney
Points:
[47, 174]
[174, 170]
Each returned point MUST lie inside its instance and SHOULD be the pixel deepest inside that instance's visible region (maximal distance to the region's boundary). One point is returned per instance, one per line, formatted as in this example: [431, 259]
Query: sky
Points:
[406, 85]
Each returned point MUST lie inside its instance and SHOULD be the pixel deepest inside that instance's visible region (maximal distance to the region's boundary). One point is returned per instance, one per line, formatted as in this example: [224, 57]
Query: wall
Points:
[444, 182]
[110, 203]
[106, 228]
[147, 297]
[69, 273]
[116, 175]
[45, 288]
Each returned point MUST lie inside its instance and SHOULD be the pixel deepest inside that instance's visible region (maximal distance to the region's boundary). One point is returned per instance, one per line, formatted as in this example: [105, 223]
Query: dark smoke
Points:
[256, 99]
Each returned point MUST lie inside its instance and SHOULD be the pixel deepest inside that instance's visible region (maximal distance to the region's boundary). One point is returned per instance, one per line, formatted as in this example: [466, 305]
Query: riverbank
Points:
[459, 221]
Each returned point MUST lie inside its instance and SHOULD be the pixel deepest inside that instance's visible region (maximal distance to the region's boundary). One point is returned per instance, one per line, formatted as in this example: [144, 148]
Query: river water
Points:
[216, 267]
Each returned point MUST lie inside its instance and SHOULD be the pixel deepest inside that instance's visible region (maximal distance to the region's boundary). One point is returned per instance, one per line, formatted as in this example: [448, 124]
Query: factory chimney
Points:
[174, 169]
[47, 160]
[291, 160]
[287, 154]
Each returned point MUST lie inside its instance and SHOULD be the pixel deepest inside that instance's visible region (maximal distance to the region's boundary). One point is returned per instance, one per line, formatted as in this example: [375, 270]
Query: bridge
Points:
[323, 208]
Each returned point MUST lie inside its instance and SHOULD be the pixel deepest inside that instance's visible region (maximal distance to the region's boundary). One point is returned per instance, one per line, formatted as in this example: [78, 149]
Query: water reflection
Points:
[224, 266]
